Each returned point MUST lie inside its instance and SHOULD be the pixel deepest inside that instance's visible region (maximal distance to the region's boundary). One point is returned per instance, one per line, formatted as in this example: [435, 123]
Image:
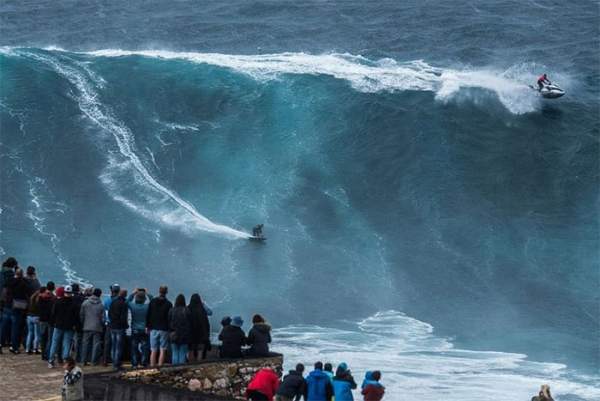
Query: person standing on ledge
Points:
[372, 390]
[91, 316]
[139, 303]
[293, 386]
[157, 323]
[343, 383]
[318, 385]
[200, 335]
[118, 314]
[179, 330]
[65, 317]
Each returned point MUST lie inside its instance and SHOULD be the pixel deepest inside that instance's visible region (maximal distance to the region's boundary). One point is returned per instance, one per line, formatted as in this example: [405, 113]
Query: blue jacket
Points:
[318, 386]
[138, 312]
[107, 302]
[342, 389]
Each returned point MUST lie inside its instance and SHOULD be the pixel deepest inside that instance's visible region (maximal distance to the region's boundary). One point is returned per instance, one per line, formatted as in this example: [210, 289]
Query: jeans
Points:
[33, 333]
[139, 348]
[61, 336]
[116, 337]
[94, 339]
[45, 338]
[178, 353]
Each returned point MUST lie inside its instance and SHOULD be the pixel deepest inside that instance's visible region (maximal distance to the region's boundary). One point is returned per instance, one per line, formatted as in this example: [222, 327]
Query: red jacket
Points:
[542, 79]
[265, 381]
[373, 392]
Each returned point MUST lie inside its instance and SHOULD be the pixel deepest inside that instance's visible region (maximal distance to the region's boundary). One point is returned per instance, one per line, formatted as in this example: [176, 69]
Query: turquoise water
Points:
[394, 153]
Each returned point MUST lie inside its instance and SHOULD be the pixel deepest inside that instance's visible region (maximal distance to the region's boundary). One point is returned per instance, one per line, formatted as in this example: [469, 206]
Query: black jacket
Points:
[259, 338]
[78, 301]
[158, 314]
[200, 327]
[64, 314]
[45, 304]
[118, 314]
[293, 385]
[20, 289]
[180, 325]
[233, 339]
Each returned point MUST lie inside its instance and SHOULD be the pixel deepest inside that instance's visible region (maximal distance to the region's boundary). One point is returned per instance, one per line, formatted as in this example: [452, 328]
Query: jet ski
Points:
[550, 91]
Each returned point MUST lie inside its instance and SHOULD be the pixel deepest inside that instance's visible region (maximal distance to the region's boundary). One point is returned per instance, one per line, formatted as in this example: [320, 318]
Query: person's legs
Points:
[174, 354]
[117, 344]
[36, 334]
[66, 343]
[97, 343]
[77, 344]
[15, 330]
[85, 347]
[30, 334]
[57, 336]
[43, 338]
[135, 354]
[154, 347]
[144, 349]
[164, 345]
[183, 350]
[107, 346]
[6, 323]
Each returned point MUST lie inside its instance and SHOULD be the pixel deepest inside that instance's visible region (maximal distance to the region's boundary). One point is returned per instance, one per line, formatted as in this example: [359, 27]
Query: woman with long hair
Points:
[179, 330]
[200, 328]
[544, 394]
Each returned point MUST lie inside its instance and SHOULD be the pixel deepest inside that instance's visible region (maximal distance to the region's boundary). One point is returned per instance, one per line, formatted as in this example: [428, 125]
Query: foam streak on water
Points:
[363, 74]
[126, 177]
[418, 365]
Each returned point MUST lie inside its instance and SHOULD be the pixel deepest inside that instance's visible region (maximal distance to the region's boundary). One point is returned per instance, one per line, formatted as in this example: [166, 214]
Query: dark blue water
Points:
[393, 151]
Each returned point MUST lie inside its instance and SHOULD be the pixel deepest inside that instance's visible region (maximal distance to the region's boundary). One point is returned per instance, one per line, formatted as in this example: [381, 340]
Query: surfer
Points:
[257, 231]
[543, 80]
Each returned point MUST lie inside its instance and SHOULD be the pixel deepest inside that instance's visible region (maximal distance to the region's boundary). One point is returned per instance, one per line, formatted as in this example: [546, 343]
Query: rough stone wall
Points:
[227, 378]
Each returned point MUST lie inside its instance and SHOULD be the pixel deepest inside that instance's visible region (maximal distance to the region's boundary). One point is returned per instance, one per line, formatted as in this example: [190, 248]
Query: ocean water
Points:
[427, 213]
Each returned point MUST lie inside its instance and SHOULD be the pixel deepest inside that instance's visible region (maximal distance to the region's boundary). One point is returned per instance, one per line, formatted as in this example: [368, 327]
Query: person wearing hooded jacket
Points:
[293, 385]
[263, 385]
[259, 337]
[65, 316]
[233, 339]
[118, 314]
[91, 316]
[372, 390]
[20, 293]
[200, 328]
[343, 383]
[318, 385]
[45, 303]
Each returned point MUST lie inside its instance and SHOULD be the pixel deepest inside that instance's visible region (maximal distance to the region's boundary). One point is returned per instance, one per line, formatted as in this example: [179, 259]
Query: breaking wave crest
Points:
[363, 74]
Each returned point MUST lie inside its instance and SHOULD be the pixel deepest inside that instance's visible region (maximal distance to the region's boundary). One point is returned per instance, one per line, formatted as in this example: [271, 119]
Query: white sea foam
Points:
[418, 365]
[43, 208]
[363, 74]
[128, 179]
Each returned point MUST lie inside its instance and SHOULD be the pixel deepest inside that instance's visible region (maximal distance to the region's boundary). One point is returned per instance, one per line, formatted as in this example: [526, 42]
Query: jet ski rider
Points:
[543, 80]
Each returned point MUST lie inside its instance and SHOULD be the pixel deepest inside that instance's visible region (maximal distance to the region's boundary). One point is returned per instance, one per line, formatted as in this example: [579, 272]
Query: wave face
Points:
[411, 183]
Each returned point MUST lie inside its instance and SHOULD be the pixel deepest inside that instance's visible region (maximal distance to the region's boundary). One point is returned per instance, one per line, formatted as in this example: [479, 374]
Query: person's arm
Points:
[209, 311]
[82, 314]
[269, 336]
[250, 338]
[328, 391]
[221, 335]
[130, 297]
[353, 384]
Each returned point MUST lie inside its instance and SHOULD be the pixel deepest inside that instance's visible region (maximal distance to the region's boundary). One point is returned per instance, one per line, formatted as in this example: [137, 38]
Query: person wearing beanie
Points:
[232, 339]
[65, 316]
[343, 383]
[372, 390]
[91, 316]
[45, 304]
[139, 303]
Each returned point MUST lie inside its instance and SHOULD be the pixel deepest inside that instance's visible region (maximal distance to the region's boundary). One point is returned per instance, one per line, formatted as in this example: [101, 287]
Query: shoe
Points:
[50, 365]
[14, 351]
[37, 352]
[29, 352]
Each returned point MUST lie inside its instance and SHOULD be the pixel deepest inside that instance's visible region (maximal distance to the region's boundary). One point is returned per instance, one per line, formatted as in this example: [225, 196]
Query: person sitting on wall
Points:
[259, 337]
[233, 339]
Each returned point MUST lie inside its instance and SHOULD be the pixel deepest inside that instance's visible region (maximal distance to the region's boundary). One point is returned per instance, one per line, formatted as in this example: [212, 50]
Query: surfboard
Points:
[257, 239]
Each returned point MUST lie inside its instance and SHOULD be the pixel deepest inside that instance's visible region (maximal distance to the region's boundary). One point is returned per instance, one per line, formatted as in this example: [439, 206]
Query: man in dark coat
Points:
[157, 321]
[65, 316]
[232, 338]
[18, 293]
[293, 386]
[118, 324]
